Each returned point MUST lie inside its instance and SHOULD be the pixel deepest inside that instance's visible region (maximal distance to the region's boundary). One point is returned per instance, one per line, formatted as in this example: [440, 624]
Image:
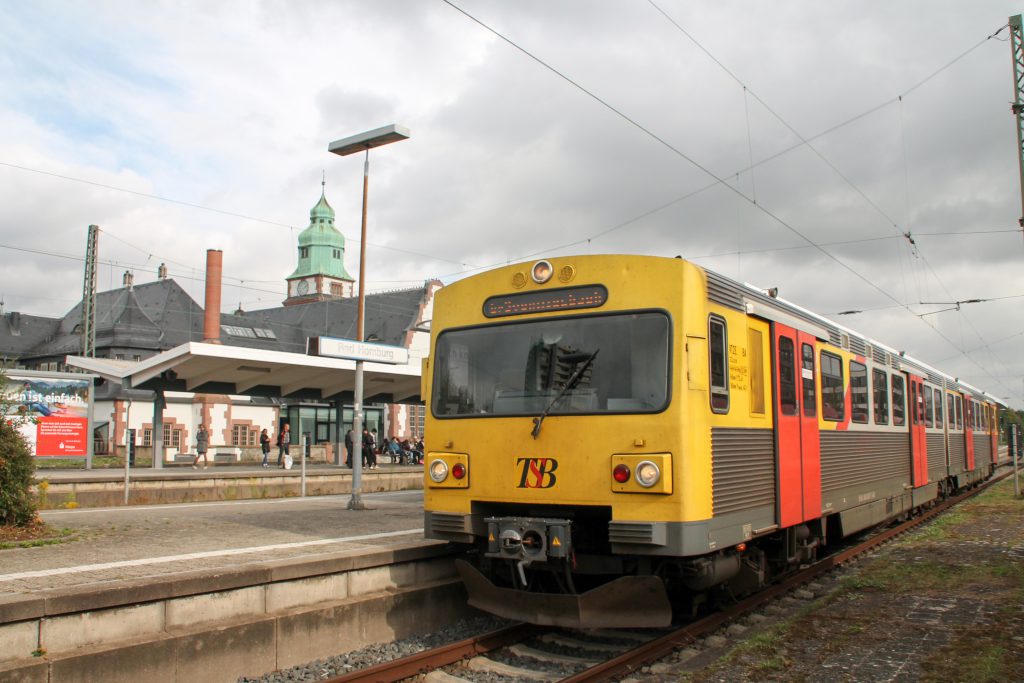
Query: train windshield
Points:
[526, 368]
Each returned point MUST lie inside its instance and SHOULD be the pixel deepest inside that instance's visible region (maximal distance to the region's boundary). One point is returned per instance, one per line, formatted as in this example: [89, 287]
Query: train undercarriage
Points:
[532, 569]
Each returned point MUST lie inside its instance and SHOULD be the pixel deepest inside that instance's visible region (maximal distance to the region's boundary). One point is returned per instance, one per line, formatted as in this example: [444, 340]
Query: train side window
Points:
[807, 375]
[880, 385]
[951, 410]
[929, 408]
[898, 404]
[787, 377]
[756, 355]
[858, 392]
[976, 415]
[938, 408]
[718, 343]
[832, 399]
[959, 412]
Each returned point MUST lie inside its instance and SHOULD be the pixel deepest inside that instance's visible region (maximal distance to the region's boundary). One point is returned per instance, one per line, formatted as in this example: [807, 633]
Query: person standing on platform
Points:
[284, 439]
[349, 445]
[369, 446]
[265, 447]
[202, 444]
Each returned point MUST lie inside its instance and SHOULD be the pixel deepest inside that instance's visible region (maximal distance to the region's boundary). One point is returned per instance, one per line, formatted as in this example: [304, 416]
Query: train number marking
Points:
[536, 473]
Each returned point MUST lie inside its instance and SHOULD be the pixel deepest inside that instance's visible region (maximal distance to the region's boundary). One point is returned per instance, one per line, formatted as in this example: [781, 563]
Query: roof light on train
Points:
[542, 272]
[621, 473]
[647, 474]
[458, 470]
[438, 470]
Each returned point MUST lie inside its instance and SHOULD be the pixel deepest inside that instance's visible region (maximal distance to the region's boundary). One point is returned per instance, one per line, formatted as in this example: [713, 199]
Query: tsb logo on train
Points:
[536, 473]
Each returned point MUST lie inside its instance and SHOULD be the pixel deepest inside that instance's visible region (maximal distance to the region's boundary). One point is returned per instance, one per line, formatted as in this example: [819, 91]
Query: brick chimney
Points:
[211, 322]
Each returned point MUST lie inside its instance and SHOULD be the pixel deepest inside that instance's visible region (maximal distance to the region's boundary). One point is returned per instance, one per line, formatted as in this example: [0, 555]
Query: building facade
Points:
[137, 321]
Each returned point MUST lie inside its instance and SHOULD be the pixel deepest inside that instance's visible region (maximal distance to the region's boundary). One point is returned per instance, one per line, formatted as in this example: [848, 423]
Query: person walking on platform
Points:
[349, 445]
[265, 447]
[202, 444]
[284, 439]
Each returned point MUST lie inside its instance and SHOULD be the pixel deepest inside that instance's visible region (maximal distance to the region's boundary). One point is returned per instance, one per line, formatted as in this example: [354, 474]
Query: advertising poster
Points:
[55, 412]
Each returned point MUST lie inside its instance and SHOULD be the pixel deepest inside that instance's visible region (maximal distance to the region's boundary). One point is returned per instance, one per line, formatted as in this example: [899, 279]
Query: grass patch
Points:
[975, 650]
[33, 535]
[763, 654]
[945, 527]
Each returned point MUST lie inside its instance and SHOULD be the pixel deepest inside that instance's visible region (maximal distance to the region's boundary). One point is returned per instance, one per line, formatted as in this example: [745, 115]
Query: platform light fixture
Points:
[363, 142]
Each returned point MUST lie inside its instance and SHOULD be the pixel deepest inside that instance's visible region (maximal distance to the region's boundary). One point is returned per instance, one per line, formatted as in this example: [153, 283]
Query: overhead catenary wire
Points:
[224, 212]
[905, 233]
[721, 181]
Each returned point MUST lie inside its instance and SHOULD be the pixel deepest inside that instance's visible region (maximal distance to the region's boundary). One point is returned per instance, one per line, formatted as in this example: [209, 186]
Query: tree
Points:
[17, 467]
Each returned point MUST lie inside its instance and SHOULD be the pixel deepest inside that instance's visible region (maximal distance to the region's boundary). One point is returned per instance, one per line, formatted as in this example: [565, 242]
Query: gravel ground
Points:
[323, 669]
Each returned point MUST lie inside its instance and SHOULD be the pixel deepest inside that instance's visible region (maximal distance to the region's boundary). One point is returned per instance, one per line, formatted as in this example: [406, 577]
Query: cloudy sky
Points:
[786, 144]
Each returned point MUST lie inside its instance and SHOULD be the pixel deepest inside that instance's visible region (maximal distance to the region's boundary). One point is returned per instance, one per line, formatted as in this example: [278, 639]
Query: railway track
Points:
[526, 652]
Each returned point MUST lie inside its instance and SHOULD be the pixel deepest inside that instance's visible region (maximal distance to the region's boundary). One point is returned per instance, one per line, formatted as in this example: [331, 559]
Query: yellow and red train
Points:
[610, 431]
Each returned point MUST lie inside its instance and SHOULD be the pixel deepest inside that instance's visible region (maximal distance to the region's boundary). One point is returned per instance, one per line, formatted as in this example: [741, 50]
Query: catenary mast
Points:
[1017, 106]
[89, 294]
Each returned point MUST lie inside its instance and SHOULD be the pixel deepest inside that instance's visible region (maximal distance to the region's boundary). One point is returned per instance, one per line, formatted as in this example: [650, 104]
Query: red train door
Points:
[797, 444]
[918, 439]
[969, 432]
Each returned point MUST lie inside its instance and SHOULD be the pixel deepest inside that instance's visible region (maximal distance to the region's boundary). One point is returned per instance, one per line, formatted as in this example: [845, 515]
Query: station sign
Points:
[334, 347]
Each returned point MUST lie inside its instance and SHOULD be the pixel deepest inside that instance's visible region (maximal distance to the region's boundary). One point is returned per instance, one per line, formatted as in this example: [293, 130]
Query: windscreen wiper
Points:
[573, 380]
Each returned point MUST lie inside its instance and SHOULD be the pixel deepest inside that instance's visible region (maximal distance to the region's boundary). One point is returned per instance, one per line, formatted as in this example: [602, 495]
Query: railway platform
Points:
[212, 591]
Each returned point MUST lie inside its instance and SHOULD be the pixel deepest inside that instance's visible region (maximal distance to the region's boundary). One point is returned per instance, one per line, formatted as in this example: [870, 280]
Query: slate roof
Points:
[160, 315]
[20, 333]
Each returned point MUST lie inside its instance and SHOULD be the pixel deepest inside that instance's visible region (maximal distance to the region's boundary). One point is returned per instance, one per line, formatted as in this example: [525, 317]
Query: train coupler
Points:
[525, 540]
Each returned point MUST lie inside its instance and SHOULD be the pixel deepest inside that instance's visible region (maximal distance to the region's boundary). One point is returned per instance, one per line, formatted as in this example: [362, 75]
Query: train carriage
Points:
[608, 432]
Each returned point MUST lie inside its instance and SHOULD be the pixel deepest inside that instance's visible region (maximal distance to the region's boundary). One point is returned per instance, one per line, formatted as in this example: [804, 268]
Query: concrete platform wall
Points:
[247, 626]
[200, 488]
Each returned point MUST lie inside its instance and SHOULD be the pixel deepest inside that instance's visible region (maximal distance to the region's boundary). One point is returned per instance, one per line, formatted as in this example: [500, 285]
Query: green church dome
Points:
[321, 245]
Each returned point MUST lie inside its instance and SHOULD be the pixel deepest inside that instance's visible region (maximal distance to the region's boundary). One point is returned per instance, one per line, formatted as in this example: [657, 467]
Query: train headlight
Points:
[644, 473]
[438, 470]
[647, 474]
[447, 471]
[542, 272]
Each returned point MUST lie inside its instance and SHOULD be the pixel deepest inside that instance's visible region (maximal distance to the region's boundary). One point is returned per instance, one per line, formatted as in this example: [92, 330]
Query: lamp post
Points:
[351, 145]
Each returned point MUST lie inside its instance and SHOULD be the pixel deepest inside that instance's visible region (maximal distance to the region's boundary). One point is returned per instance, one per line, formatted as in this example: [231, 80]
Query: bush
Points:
[17, 467]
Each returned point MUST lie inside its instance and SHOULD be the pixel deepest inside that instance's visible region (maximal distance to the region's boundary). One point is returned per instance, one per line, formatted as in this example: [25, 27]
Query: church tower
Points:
[320, 274]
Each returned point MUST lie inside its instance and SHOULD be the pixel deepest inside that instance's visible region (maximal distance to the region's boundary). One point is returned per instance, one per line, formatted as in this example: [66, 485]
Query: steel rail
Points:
[428, 660]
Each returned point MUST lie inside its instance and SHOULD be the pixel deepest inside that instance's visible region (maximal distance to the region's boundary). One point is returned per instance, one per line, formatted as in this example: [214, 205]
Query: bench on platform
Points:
[227, 454]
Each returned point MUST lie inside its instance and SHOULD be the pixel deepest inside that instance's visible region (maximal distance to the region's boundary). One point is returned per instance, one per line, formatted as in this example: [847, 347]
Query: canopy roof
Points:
[223, 369]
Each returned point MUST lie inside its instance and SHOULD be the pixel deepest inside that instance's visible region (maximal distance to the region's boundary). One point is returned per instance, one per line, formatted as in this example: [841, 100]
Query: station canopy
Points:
[222, 369]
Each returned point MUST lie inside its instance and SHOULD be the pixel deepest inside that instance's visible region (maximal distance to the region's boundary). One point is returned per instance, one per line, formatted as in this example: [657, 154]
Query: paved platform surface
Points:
[109, 545]
[218, 470]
